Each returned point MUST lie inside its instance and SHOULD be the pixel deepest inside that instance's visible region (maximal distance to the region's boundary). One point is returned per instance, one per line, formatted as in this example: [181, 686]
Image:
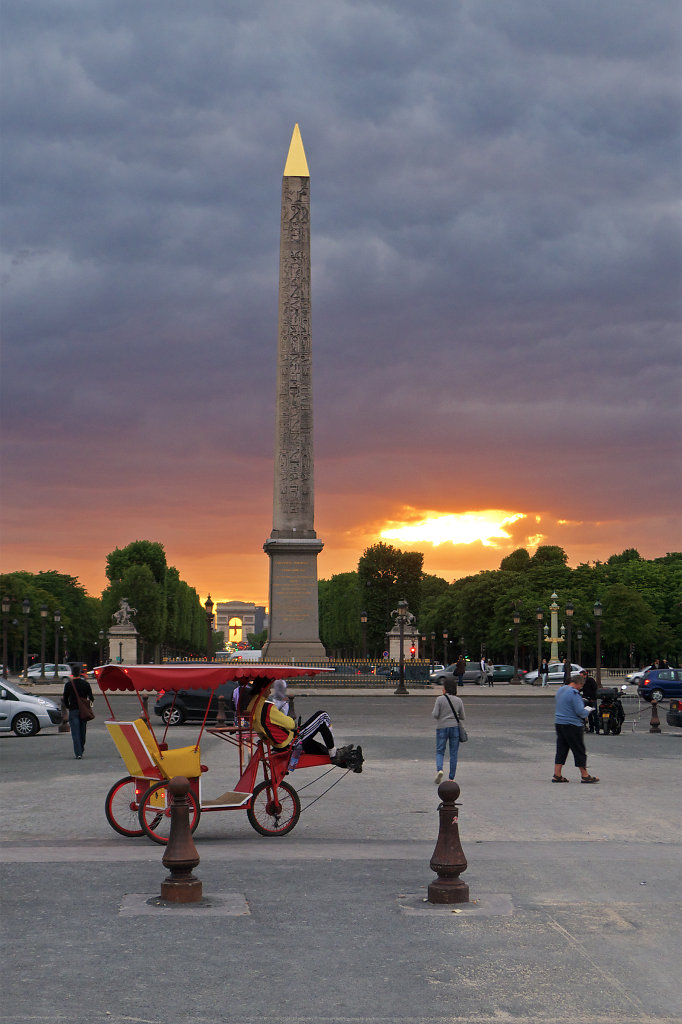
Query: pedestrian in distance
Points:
[460, 669]
[567, 672]
[448, 711]
[570, 715]
[589, 692]
[544, 671]
[489, 672]
[77, 684]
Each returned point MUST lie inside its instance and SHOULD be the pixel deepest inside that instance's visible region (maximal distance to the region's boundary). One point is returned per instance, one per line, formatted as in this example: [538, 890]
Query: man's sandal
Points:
[589, 778]
[559, 778]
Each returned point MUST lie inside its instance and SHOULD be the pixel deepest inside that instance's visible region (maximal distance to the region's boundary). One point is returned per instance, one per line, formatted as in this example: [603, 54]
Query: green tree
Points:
[518, 561]
[387, 575]
[339, 609]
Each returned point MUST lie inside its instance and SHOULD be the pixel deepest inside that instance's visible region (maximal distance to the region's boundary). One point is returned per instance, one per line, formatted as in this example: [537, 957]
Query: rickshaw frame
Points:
[272, 805]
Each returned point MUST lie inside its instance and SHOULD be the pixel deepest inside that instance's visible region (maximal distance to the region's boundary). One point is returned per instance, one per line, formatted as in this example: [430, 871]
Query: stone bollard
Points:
[654, 724]
[220, 717]
[64, 724]
[181, 854]
[448, 860]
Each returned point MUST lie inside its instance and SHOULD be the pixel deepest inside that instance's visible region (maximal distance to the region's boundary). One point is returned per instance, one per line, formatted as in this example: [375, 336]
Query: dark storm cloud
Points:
[495, 231]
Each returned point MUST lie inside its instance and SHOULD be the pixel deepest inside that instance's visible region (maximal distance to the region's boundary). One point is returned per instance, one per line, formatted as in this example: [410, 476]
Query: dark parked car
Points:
[190, 705]
[660, 683]
[674, 715]
[504, 673]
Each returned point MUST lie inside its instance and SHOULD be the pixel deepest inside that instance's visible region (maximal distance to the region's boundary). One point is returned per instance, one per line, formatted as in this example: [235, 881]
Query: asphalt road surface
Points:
[575, 889]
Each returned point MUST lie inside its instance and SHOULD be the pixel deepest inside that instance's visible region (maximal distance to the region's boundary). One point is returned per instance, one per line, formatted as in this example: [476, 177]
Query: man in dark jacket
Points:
[589, 692]
[460, 669]
[78, 728]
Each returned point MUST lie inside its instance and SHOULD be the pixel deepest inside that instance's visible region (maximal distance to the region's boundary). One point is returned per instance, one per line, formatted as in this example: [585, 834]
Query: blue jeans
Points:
[443, 737]
[77, 732]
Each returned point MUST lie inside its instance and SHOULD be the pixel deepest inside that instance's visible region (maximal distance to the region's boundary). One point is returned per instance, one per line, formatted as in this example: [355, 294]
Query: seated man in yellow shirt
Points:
[272, 724]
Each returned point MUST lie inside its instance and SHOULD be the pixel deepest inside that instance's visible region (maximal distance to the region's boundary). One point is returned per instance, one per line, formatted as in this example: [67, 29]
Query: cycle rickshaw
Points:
[139, 803]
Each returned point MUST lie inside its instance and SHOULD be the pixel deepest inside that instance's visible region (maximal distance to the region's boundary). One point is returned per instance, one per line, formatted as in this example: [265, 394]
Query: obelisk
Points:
[293, 547]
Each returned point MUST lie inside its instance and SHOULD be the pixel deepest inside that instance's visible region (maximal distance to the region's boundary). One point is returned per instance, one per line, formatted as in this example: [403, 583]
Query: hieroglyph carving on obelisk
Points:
[293, 546]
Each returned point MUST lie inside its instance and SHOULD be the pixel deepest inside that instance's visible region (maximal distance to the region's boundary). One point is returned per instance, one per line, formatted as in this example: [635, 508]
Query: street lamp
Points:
[57, 619]
[101, 646]
[6, 602]
[403, 616]
[569, 656]
[517, 619]
[597, 615]
[26, 604]
[539, 616]
[433, 648]
[43, 624]
[209, 628]
[363, 623]
[445, 648]
[580, 647]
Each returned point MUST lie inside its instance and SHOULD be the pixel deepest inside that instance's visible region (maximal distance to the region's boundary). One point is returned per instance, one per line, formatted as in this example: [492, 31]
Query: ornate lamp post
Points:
[57, 619]
[26, 605]
[403, 616]
[580, 647]
[363, 624]
[597, 616]
[539, 616]
[101, 646]
[517, 619]
[43, 624]
[569, 655]
[433, 648]
[6, 602]
[209, 628]
[445, 648]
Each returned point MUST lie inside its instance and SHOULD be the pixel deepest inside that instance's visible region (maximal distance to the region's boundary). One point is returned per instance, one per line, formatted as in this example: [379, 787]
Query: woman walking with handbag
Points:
[448, 712]
[76, 691]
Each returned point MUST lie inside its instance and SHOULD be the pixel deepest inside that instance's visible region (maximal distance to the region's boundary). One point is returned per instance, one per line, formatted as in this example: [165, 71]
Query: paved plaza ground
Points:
[578, 887]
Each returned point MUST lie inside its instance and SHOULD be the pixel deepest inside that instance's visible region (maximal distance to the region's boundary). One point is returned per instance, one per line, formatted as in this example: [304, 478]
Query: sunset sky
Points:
[495, 279]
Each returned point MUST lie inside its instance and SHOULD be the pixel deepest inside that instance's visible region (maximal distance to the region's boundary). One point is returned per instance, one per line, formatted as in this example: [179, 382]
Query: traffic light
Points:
[413, 651]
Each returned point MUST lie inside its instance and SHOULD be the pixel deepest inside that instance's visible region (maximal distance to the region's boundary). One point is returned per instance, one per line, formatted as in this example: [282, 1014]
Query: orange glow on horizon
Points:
[486, 526]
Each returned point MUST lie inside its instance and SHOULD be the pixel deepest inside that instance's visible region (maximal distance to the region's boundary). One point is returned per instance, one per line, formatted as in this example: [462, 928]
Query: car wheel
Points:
[25, 724]
[172, 716]
[657, 695]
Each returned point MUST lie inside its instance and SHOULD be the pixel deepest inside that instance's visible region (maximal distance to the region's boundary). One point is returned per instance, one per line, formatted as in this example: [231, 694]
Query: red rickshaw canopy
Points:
[137, 678]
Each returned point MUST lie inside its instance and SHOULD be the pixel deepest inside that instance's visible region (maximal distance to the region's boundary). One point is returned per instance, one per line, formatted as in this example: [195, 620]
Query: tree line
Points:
[170, 619]
[641, 602]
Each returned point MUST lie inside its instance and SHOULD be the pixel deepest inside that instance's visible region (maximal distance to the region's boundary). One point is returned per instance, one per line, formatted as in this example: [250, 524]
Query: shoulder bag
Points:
[85, 712]
[463, 736]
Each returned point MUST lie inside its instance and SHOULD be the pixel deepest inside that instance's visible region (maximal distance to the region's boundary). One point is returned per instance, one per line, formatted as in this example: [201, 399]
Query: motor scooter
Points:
[610, 716]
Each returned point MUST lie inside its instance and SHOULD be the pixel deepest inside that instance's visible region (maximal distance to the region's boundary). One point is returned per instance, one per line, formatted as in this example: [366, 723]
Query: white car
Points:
[555, 674]
[638, 675]
[25, 713]
[436, 670]
[63, 671]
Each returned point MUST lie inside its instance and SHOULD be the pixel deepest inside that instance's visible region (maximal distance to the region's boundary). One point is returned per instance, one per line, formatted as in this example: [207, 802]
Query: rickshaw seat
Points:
[143, 759]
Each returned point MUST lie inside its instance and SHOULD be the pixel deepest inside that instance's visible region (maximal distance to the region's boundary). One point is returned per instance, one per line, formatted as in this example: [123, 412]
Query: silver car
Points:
[63, 672]
[24, 713]
[555, 674]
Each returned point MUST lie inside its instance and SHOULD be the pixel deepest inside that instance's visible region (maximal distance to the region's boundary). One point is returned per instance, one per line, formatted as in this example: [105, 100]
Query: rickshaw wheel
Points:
[155, 820]
[270, 819]
[121, 808]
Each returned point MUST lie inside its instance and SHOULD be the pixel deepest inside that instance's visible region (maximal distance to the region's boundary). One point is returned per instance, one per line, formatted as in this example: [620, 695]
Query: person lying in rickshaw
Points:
[281, 730]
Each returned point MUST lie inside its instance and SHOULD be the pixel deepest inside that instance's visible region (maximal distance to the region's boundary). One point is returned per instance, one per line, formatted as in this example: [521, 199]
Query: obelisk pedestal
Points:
[293, 546]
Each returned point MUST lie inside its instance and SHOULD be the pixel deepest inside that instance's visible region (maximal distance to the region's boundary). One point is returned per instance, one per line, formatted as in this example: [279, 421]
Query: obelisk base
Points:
[294, 633]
